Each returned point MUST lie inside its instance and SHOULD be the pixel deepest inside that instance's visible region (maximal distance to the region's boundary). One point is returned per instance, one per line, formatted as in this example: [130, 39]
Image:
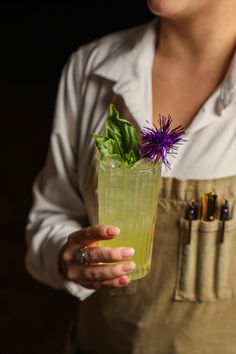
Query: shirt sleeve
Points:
[58, 207]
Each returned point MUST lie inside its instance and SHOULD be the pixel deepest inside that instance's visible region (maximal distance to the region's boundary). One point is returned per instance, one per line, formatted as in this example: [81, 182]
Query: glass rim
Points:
[130, 169]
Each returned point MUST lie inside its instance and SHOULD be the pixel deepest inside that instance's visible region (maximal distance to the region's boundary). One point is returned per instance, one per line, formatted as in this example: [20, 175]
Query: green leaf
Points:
[106, 145]
[123, 132]
[130, 139]
[121, 138]
[114, 131]
[130, 158]
[113, 111]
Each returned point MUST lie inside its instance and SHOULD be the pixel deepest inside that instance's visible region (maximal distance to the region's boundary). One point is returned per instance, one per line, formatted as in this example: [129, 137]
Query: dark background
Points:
[35, 41]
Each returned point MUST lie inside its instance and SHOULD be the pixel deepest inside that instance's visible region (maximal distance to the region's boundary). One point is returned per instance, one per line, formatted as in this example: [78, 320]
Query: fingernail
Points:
[128, 267]
[124, 281]
[127, 252]
[113, 231]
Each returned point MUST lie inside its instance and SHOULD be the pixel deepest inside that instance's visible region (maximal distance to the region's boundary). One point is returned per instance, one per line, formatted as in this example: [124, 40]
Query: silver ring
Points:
[80, 256]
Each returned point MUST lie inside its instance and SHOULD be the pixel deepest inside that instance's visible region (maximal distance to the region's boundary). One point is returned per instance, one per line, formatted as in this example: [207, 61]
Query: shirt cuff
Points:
[77, 290]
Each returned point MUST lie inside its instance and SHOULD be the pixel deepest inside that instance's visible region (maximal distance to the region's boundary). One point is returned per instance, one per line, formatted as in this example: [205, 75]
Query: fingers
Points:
[86, 237]
[99, 275]
[94, 233]
[114, 283]
[105, 272]
[107, 254]
[98, 272]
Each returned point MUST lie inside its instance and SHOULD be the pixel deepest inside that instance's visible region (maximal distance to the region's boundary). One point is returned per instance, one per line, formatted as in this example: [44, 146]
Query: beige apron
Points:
[186, 305]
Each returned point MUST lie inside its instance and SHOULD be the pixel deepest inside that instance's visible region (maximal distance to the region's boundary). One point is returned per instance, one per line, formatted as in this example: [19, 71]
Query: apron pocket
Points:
[225, 264]
[204, 265]
[187, 265]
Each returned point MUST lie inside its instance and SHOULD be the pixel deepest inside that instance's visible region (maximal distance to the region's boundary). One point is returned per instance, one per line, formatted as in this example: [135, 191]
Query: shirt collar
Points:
[132, 57]
[227, 88]
[220, 99]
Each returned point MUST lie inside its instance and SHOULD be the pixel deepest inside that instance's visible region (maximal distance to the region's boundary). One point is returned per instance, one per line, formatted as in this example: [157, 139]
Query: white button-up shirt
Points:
[116, 68]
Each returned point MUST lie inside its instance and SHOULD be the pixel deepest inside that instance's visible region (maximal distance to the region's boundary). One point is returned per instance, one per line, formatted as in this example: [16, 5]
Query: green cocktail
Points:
[129, 179]
[128, 198]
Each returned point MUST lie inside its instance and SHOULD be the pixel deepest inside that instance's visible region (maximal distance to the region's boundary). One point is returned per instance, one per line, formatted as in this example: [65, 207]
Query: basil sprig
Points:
[121, 138]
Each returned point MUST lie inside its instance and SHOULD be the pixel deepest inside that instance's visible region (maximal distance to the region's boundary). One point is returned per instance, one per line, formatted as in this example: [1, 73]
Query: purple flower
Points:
[157, 143]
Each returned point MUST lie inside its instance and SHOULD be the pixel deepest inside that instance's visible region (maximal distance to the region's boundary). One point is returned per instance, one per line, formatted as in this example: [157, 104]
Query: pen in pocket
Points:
[209, 206]
[224, 216]
[192, 214]
[209, 211]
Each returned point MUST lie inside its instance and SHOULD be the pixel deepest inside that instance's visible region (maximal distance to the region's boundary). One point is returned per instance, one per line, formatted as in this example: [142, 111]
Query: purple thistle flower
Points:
[157, 143]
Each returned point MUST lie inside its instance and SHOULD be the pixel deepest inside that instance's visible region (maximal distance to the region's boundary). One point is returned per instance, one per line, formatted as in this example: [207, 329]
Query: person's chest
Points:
[181, 91]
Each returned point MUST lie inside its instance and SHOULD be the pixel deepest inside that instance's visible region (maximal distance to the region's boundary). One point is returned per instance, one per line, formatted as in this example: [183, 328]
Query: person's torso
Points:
[186, 304]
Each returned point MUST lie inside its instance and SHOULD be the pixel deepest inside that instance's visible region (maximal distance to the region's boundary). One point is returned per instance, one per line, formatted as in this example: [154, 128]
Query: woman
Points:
[181, 63]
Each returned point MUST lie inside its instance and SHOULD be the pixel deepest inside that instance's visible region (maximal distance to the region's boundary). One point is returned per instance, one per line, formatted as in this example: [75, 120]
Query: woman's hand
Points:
[93, 275]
